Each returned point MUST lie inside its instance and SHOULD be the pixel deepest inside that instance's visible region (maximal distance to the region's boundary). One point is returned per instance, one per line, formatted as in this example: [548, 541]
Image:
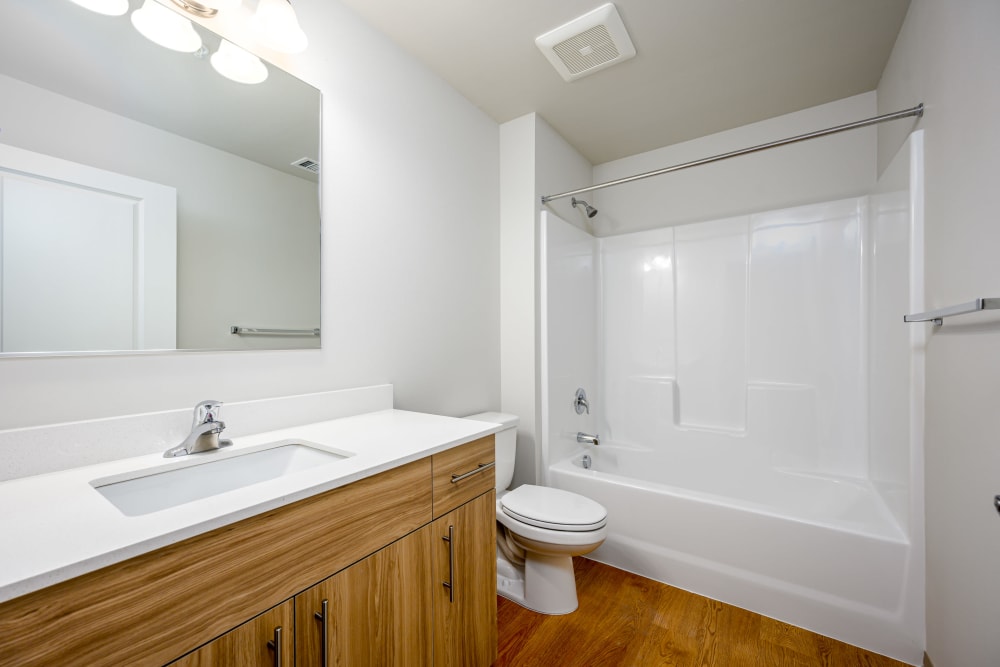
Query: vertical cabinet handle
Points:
[323, 618]
[450, 584]
[276, 645]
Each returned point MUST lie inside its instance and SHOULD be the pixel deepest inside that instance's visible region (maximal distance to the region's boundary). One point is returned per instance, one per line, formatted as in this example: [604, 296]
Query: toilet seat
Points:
[554, 540]
[553, 509]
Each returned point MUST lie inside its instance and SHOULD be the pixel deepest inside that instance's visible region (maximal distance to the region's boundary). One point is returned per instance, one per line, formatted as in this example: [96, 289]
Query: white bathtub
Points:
[823, 554]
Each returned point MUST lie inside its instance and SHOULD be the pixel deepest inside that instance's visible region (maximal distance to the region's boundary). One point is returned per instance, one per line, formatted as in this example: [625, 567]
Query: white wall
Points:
[410, 268]
[534, 160]
[834, 167]
[518, 352]
[948, 57]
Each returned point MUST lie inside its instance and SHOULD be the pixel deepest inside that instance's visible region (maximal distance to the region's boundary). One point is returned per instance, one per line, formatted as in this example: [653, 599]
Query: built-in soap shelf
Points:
[937, 316]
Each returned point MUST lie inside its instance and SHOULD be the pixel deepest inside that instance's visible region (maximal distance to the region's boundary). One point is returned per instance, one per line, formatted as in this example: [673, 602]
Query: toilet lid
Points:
[554, 509]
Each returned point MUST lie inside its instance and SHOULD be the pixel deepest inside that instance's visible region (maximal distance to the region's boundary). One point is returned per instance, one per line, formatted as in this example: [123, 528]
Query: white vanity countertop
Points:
[56, 526]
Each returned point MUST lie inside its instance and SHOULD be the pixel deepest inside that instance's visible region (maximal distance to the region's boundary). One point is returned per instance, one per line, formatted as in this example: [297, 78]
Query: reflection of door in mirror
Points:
[87, 258]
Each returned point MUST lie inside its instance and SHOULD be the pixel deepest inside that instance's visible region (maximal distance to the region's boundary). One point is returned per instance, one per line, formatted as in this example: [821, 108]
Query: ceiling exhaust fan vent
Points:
[587, 44]
[307, 164]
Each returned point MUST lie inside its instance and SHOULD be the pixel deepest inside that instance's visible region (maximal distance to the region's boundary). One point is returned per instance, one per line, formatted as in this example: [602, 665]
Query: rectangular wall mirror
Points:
[147, 202]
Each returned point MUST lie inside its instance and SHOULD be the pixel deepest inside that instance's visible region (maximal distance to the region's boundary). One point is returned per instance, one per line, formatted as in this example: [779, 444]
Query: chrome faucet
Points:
[204, 435]
[588, 439]
[580, 402]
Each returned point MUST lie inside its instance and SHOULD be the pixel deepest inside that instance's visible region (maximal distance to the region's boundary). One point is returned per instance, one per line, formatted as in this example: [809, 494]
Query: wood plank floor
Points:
[625, 619]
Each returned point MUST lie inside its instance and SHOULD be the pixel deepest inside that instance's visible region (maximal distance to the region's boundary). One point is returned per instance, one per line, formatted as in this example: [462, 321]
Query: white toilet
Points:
[540, 530]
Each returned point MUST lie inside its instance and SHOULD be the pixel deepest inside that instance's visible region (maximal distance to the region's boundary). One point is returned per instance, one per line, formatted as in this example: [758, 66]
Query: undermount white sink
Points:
[211, 473]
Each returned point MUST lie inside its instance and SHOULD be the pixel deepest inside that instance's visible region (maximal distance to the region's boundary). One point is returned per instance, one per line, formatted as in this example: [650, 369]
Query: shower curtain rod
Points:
[914, 111]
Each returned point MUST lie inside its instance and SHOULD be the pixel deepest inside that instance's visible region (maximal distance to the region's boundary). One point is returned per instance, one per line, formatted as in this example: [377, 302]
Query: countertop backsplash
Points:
[38, 450]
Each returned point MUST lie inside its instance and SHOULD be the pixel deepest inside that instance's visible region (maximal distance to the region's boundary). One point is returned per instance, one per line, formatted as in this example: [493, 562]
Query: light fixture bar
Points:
[196, 8]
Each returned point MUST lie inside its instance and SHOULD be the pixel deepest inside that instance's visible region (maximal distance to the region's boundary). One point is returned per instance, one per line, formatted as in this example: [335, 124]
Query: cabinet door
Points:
[465, 566]
[264, 641]
[377, 612]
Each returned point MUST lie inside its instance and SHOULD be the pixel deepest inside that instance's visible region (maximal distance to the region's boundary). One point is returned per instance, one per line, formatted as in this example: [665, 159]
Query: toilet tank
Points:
[506, 444]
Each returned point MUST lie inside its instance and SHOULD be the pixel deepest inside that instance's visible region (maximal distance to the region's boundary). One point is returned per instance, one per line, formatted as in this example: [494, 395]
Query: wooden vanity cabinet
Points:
[376, 612]
[157, 607]
[427, 599]
[256, 643]
[375, 550]
[465, 611]
[465, 563]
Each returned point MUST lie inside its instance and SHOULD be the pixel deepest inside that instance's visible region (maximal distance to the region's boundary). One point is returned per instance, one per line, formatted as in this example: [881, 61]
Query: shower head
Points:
[591, 211]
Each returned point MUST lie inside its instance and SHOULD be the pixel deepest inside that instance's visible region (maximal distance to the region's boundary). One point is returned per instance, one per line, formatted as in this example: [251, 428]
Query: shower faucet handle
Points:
[580, 402]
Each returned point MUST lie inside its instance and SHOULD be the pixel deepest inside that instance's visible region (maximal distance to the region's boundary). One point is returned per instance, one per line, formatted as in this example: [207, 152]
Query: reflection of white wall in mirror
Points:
[67, 268]
[249, 258]
[88, 258]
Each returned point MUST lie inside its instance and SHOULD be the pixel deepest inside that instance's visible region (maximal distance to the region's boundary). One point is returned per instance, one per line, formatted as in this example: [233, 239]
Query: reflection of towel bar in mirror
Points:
[253, 331]
[937, 316]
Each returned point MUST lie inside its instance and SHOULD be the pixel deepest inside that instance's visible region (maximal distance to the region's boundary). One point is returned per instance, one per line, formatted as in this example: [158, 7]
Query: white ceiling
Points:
[702, 66]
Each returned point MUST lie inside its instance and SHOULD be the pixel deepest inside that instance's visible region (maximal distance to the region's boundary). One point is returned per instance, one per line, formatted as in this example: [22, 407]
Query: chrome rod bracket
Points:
[937, 316]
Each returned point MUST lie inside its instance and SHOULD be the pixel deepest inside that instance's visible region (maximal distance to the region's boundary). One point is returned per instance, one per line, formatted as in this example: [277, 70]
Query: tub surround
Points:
[63, 527]
[754, 375]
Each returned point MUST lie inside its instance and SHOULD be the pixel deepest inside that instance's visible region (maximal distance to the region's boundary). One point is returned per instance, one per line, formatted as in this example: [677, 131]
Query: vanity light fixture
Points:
[274, 24]
[238, 64]
[278, 28]
[207, 8]
[165, 27]
[106, 7]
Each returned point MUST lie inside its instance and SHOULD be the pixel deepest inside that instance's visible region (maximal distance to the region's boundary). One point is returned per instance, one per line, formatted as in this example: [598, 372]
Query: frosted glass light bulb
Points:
[237, 64]
[278, 28]
[165, 27]
[106, 7]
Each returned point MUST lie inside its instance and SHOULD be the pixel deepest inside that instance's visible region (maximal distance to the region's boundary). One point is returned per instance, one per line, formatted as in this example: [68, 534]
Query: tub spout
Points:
[588, 439]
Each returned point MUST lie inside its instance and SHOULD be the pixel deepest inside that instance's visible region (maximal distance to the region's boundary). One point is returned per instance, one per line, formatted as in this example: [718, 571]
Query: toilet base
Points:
[510, 581]
[545, 584]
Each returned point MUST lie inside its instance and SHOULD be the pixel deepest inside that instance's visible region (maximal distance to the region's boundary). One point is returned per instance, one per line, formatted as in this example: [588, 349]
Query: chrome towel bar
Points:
[937, 316]
[251, 331]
